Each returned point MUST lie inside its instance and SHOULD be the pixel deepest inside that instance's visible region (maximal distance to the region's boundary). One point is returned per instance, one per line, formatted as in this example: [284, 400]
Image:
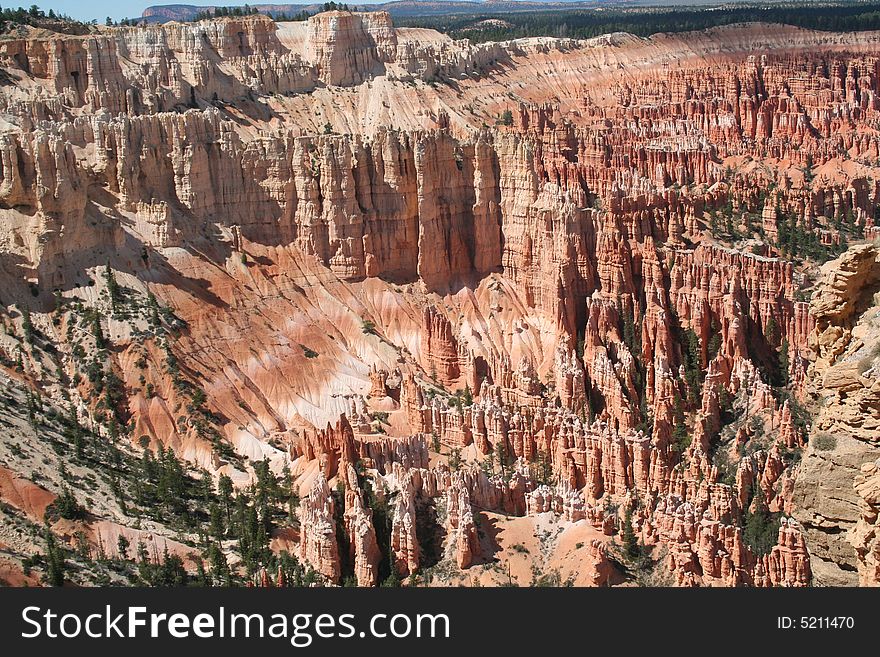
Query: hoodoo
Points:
[334, 302]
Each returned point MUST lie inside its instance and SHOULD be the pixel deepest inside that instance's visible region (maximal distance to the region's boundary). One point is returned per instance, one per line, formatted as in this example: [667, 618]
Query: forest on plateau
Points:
[644, 21]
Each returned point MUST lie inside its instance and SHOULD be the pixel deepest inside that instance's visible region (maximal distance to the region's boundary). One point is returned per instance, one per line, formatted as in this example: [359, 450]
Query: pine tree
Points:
[73, 431]
[224, 487]
[761, 528]
[98, 332]
[56, 566]
[113, 289]
[220, 572]
[286, 479]
[680, 436]
[783, 366]
[392, 581]
[145, 567]
[693, 367]
[122, 545]
[201, 574]
[630, 541]
[216, 523]
[771, 331]
[27, 326]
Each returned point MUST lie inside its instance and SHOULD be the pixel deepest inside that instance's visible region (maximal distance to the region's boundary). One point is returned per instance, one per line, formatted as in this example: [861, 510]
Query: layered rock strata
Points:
[535, 277]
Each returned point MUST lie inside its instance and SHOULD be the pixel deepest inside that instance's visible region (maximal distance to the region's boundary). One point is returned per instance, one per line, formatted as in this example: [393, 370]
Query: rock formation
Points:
[421, 282]
[864, 536]
[846, 434]
[461, 527]
[404, 542]
[318, 545]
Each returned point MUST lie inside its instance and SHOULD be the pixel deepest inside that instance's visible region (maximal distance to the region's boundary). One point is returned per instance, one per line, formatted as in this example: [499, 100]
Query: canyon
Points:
[337, 302]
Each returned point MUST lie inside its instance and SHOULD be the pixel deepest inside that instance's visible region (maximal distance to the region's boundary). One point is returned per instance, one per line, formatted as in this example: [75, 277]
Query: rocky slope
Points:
[836, 493]
[334, 301]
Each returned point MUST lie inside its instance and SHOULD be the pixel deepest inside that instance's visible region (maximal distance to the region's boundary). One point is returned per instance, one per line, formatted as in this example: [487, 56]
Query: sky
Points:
[86, 10]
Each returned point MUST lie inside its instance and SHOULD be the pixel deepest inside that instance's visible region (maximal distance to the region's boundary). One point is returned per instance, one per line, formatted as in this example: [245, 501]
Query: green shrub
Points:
[824, 442]
[66, 506]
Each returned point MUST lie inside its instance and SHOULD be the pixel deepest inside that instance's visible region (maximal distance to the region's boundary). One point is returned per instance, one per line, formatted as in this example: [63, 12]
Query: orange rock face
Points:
[432, 280]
